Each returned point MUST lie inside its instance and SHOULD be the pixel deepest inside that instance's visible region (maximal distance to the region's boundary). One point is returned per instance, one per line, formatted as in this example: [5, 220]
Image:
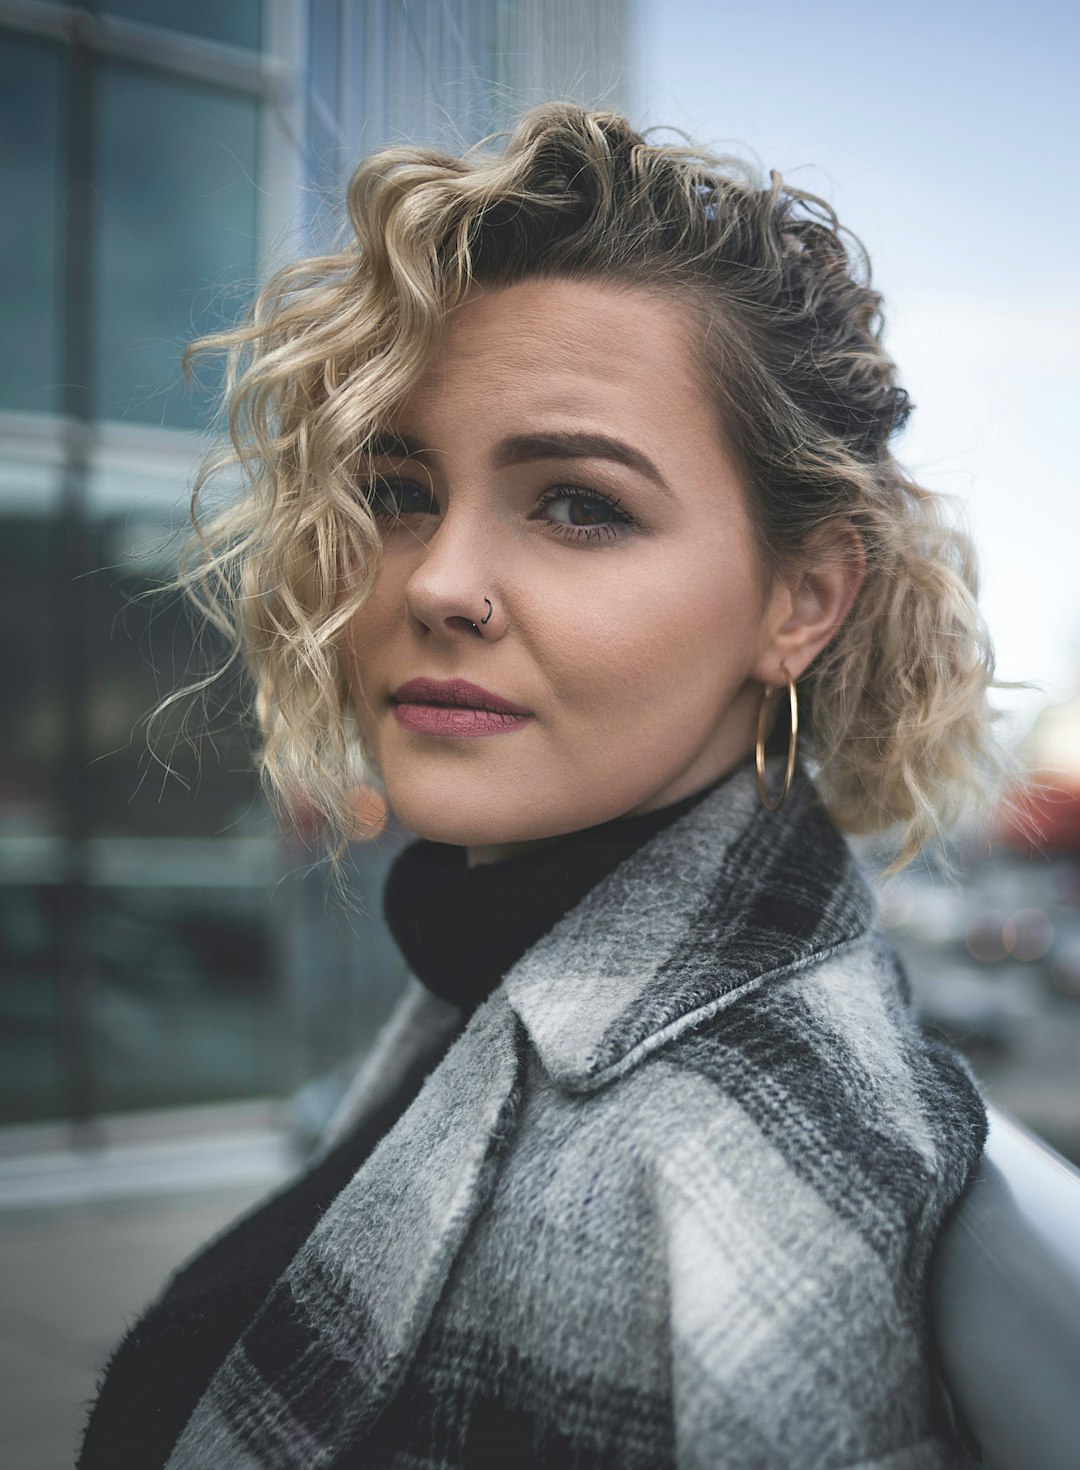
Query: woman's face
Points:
[560, 463]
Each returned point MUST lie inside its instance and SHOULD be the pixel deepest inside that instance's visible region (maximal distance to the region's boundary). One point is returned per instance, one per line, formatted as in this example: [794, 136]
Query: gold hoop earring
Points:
[793, 742]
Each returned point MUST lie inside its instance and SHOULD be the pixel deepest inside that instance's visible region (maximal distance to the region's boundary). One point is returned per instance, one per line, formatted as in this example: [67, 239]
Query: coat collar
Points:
[727, 898]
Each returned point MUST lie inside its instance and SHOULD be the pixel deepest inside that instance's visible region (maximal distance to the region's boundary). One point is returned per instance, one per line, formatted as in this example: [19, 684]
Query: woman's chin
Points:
[479, 820]
[449, 816]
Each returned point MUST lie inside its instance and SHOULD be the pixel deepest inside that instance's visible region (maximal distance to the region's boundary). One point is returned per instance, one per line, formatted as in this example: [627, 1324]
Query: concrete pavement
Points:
[86, 1242]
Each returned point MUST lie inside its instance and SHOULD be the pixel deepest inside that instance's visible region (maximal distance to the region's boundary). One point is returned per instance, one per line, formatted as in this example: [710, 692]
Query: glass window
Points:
[177, 247]
[185, 1004]
[145, 643]
[29, 248]
[32, 1082]
[237, 23]
[324, 54]
[29, 710]
[31, 1074]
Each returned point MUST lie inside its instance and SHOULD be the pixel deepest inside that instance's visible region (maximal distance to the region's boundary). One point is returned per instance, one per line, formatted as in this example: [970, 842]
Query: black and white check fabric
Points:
[667, 1200]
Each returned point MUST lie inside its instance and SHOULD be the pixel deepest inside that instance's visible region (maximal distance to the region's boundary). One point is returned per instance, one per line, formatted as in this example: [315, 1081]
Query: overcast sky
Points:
[946, 136]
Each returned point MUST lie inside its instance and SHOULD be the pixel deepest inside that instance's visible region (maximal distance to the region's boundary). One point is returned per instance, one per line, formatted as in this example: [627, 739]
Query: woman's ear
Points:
[806, 610]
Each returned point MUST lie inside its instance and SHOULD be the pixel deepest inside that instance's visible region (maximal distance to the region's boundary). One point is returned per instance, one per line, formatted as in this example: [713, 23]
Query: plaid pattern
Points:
[667, 1200]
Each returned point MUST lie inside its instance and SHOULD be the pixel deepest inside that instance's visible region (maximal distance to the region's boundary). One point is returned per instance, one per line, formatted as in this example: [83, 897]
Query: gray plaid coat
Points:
[668, 1199]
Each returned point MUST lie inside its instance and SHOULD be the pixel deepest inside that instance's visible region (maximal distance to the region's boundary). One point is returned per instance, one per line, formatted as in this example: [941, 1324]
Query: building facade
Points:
[160, 942]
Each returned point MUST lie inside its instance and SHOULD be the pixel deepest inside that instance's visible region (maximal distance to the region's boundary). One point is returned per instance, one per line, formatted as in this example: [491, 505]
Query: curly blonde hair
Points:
[788, 330]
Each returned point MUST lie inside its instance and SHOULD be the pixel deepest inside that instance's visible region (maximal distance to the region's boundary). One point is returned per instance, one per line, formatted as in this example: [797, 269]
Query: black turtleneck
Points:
[460, 929]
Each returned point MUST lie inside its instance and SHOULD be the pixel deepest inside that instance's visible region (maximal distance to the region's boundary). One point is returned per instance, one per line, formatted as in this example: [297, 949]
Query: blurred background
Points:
[180, 1001]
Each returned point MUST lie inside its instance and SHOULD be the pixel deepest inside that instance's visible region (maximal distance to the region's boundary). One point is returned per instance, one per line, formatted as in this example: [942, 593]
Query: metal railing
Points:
[1005, 1298]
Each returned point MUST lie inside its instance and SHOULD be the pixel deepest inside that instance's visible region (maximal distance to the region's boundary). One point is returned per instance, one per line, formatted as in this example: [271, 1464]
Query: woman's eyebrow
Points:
[387, 445]
[572, 444]
[521, 448]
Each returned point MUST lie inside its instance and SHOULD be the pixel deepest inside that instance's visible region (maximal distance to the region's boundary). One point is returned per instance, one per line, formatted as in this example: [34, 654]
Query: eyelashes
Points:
[583, 514]
[580, 502]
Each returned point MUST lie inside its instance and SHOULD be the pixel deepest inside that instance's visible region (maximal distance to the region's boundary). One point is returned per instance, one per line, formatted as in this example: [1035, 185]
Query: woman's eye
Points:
[390, 500]
[580, 514]
[577, 514]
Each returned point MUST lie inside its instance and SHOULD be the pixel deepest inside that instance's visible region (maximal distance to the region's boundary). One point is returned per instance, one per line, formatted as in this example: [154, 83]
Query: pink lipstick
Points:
[455, 707]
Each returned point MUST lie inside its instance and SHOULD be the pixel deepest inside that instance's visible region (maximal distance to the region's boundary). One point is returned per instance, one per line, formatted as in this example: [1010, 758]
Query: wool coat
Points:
[668, 1199]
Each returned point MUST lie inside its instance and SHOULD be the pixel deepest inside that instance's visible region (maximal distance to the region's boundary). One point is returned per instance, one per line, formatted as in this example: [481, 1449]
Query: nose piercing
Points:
[485, 618]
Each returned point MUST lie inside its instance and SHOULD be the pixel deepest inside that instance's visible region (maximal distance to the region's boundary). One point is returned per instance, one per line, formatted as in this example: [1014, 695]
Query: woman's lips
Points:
[448, 719]
[455, 707]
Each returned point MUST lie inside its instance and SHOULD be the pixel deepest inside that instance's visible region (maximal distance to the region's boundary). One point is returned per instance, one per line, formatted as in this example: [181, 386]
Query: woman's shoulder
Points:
[824, 1081]
[804, 1151]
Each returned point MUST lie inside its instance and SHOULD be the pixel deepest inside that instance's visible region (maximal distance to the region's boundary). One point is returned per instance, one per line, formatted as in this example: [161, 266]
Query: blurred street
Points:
[86, 1243]
[994, 963]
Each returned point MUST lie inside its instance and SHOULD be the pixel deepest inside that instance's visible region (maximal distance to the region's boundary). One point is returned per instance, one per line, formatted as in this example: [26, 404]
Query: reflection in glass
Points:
[29, 248]
[29, 711]
[236, 24]
[177, 252]
[182, 1006]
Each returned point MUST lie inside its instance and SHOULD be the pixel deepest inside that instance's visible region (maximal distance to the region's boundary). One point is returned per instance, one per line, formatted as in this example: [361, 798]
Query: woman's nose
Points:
[453, 591]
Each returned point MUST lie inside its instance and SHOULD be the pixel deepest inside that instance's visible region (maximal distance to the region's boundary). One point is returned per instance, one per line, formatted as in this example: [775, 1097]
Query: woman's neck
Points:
[688, 785]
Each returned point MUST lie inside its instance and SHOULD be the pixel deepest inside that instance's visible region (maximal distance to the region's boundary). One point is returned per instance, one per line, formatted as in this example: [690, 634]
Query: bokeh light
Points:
[984, 936]
[1027, 934]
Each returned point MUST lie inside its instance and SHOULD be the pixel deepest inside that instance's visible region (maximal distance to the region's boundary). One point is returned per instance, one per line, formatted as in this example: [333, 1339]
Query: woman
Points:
[556, 474]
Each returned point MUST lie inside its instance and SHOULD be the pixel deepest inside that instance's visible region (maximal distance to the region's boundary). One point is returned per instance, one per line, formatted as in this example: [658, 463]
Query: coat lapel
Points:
[337, 1333]
[716, 905]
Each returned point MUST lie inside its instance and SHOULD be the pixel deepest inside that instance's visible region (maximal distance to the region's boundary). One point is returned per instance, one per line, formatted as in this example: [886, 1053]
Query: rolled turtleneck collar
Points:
[460, 928]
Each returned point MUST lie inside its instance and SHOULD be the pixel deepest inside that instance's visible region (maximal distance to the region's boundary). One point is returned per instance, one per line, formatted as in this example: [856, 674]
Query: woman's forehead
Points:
[595, 315]
[559, 349]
